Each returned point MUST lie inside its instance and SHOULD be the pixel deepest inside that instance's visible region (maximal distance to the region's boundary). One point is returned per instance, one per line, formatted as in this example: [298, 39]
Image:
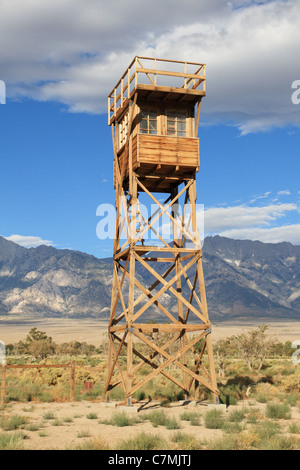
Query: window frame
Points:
[123, 130]
[177, 132]
[148, 120]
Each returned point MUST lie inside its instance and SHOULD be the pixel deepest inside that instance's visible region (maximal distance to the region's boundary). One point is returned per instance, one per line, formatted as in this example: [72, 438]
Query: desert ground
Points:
[92, 331]
[91, 423]
[67, 426]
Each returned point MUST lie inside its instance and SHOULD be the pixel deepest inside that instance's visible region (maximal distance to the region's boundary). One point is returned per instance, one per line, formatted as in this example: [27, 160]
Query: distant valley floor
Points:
[93, 331]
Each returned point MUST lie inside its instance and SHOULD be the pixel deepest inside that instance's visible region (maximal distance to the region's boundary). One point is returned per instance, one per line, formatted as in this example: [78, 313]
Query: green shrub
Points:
[143, 441]
[294, 428]
[121, 419]
[214, 419]
[13, 423]
[93, 444]
[266, 430]
[192, 417]
[11, 441]
[83, 434]
[226, 443]
[185, 441]
[232, 428]
[236, 416]
[92, 416]
[49, 415]
[276, 443]
[278, 411]
[160, 418]
[172, 423]
[253, 415]
[56, 422]
[291, 399]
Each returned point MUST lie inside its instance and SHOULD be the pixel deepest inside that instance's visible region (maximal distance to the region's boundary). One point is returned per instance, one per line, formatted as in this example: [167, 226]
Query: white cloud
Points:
[260, 196]
[219, 219]
[252, 223]
[286, 233]
[28, 241]
[285, 192]
[74, 51]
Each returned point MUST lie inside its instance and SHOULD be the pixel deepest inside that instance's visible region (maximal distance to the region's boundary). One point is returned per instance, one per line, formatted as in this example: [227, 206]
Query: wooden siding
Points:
[167, 150]
[162, 156]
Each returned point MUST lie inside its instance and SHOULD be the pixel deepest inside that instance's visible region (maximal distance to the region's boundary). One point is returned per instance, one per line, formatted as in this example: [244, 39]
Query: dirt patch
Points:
[63, 426]
[70, 424]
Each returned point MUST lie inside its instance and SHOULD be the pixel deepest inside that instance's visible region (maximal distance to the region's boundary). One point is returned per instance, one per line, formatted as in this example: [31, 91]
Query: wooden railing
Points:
[146, 70]
[71, 366]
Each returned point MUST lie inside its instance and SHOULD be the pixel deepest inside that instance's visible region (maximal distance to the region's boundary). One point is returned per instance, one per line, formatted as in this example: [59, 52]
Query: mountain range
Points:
[244, 279]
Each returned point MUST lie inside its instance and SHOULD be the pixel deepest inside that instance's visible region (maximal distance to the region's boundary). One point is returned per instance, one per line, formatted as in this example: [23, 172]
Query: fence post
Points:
[3, 385]
[72, 381]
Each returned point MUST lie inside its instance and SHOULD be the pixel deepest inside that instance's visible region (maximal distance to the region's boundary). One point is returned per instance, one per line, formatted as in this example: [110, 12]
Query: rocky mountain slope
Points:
[243, 279]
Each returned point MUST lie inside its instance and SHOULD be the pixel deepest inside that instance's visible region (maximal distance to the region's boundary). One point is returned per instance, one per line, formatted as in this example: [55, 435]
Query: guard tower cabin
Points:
[152, 111]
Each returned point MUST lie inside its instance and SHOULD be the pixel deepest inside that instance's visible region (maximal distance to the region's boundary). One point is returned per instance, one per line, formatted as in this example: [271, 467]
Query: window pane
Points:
[172, 115]
[181, 116]
[144, 124]
[152, 125]
[148, 122]
[176, 123]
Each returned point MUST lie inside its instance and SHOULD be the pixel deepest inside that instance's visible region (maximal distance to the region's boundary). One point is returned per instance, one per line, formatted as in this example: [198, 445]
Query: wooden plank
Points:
[197, 119]
[147, 292]
[168, 286]
[72, 381]
[38, 366]
[172, 290]
[173, 90]
[169, 328]
[123, 381]
[171, 74]
[164, 210]
[171, 359]
[117, 353]
[3, 384]
[155, 366]
[116, 292]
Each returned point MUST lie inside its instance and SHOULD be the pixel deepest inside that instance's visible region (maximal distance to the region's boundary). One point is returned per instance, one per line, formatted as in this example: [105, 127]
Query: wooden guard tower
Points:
[154, 114]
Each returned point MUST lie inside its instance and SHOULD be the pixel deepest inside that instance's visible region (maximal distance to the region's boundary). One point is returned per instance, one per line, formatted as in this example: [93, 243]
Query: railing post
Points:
[3, 385]
[128, 83]
[136, 78]
[72, 380]
[122, 93]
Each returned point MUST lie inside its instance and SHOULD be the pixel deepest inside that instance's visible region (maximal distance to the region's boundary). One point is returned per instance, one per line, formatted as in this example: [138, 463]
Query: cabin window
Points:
[123, 130]
[148, 122]
[176, 123]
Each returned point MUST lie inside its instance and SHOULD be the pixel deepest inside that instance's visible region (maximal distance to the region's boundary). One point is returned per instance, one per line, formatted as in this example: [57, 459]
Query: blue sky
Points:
[56, 151]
